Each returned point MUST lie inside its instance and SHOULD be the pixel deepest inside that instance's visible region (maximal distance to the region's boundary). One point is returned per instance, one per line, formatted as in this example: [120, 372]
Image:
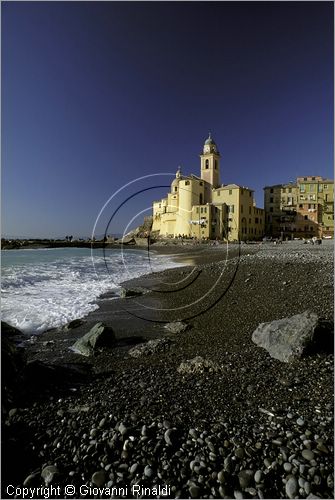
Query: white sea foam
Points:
[42, 290]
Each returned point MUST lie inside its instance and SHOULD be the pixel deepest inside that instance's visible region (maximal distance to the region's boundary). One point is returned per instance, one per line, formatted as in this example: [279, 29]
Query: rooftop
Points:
[232, 186]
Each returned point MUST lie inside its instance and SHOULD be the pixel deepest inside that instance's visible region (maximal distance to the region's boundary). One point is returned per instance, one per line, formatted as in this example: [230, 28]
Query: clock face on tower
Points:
[209, 148]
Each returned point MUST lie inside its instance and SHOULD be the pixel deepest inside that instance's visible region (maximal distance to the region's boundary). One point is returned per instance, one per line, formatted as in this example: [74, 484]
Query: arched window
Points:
[207, 164]
[215, 164]
[200, 199]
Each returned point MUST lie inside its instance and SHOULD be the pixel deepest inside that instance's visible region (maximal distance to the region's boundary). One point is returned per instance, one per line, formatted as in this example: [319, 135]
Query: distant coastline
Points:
[16, 244]
[136, 242]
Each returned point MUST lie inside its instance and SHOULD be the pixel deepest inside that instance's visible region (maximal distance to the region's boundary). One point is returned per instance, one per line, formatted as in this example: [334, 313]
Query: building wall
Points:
[201, 221]
[157, 210]
[168, 224]
[300, 209]
[230, 196]
[244, 221]
[191, 191]
[328, 208]
[280, 205]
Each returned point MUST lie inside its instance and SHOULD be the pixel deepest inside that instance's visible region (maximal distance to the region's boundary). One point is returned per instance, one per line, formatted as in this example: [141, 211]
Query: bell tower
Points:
[210, 163]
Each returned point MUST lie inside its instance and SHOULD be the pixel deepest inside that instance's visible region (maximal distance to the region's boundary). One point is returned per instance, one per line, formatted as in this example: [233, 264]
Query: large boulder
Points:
[40, 375]
[12, 367]
[11, 332]
[98, 337]
[289, 338]
[75, 323]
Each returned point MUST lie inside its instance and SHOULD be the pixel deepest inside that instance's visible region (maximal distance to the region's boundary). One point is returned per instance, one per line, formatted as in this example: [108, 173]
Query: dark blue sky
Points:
[95, 94]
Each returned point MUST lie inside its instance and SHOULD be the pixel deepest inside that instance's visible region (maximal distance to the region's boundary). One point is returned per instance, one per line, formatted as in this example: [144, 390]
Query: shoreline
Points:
[268, 283]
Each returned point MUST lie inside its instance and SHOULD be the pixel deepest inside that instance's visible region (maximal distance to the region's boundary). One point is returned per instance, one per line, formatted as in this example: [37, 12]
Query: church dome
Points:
[209, 141]
[210, 146]
[175, 182]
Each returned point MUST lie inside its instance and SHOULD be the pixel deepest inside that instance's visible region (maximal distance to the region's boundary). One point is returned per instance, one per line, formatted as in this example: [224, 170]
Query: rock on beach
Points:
[198, 365]
[176, 327]
[151, 347]
[288, 338]
[99, 336]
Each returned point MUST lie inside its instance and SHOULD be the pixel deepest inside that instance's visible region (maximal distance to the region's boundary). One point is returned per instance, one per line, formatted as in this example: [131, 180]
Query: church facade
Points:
[202, 208]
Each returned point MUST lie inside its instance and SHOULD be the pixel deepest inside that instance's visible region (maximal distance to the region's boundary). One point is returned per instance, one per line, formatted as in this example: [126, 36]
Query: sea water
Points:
[46, 288]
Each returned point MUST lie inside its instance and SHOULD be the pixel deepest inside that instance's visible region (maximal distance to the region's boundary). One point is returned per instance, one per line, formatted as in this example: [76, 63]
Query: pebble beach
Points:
[243, 425]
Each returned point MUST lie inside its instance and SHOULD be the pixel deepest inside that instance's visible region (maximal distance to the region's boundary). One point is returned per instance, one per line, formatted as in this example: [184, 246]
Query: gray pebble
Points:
[258, 476]
[301, 421]
[211, 447]
[122, 429]
[144, 430]
[321, 447]
[307, 487]
[222, 492]
[244, 478]
[31, 479]
[193, 463]
[102, 422]
[193, 433]
[194, 491]
[307, 454]
[48, 473]
[311, 471]
[133, 468]
[287, 467]
[148, 472]
[99, 478]
[167, 436]
[301, 482]
[239, 452]
[330, 481]
[291, 487]
[166, 424]
[221, 476]
[251, 491]
[12, 412]
[278, 442]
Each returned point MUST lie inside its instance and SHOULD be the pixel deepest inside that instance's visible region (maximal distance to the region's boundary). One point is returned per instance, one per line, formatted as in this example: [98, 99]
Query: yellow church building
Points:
[201, 207]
